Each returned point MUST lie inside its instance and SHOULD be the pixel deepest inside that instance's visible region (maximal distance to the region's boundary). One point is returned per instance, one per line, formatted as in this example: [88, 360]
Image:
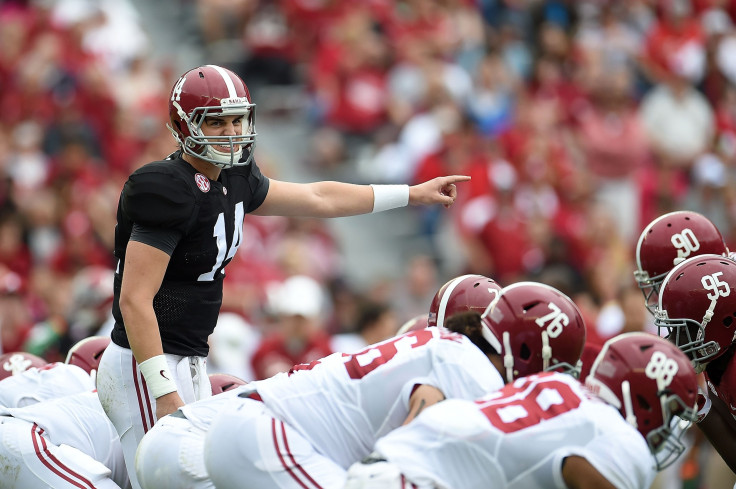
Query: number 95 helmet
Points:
[209, 91]
[697, 307]
[650, 382]
[669, 240]
[535, 328]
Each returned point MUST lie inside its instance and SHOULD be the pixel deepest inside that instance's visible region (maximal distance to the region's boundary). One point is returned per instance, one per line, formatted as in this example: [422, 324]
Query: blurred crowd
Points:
[579, 121]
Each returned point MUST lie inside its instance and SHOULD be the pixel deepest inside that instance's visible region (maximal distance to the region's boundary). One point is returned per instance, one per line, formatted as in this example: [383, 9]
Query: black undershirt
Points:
[162, 239]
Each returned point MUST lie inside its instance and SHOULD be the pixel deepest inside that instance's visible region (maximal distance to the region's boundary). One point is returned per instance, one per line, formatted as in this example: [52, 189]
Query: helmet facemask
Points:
[665, 442]
[649, 288]
[203, 147]
[689, 336]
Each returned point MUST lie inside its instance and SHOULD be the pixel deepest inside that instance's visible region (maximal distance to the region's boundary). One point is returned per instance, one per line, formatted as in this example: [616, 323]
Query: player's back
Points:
[518, 437]
[41, 384]
[343, 402]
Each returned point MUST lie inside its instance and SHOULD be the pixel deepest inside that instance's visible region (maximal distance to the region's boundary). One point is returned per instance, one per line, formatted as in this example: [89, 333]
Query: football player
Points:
[697, 312]
[547, 431]
[172, 449]
[669, 240]
[305, 428]
[179, 223]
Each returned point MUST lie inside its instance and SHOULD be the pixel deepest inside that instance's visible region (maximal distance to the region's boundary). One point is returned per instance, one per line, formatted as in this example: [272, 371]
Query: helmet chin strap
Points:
[508, 358]
[628, 406]
[546, 350]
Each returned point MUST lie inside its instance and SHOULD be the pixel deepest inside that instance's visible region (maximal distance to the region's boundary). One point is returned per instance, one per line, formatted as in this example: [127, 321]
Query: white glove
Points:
[374, 473]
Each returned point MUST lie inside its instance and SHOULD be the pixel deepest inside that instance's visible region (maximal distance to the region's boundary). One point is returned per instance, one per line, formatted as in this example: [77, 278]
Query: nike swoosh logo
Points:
[162, 375]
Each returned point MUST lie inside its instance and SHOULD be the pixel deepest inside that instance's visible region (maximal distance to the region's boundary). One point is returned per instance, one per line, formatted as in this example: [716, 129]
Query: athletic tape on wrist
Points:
[156, 372]
[387, 197]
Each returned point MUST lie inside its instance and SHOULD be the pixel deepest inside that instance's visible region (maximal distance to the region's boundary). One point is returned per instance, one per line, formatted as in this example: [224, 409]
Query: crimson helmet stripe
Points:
[228, 81]
[446, 298]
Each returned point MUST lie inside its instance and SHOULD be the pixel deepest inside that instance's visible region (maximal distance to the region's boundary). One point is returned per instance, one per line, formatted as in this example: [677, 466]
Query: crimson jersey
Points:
[172, 195]
[518, 438]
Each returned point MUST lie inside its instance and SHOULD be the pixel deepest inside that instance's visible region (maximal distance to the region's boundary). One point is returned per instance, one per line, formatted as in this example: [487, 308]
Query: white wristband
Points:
[387, 197]
[156, 372]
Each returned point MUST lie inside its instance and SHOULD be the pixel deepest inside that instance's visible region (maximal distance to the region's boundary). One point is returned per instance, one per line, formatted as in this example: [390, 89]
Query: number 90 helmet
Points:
[535, 328]
[697, 307]
[650, 382]
[209, 91]
[669, 240]
[461, 294]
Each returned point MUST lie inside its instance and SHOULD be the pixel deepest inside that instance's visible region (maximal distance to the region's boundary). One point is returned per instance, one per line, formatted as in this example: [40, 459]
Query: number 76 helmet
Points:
[669, 240]
[534, 327]
[697, 307]
[652, 384]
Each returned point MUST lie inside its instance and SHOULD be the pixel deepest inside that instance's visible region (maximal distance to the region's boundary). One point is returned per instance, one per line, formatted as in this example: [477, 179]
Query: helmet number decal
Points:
[555, 321]
[686, 243]
[176, 93]
[715, 285]
[662, 369]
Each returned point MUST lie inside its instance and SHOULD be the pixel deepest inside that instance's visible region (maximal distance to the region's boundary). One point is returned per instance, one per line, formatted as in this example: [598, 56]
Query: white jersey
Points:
[518, 437]
[343, 403]
[78, 421]
[41, 384]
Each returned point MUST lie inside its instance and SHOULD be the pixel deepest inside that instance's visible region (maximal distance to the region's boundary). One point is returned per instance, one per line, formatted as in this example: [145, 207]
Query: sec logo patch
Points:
[202, 182]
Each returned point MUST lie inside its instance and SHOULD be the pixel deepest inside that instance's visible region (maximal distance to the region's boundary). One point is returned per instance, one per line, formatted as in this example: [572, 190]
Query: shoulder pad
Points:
[158, 196]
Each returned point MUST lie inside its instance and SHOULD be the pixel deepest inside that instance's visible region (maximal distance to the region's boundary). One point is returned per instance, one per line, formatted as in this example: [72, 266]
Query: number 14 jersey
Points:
[343, 403]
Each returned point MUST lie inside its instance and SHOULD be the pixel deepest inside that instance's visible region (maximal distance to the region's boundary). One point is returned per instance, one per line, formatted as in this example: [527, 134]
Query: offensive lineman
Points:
[546, 431]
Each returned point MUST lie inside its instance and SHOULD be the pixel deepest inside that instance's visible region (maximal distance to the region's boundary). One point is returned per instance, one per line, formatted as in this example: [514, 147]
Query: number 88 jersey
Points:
[171, 197]
[517, 438]
[343, 403]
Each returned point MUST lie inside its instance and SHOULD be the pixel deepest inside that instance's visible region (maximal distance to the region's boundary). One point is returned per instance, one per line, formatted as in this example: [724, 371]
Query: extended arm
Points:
[578, 473]
[338, 199]
[145, 267]
[720, 429]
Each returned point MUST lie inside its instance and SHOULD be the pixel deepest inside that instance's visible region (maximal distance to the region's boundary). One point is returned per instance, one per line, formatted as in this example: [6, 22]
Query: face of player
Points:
[223, 125]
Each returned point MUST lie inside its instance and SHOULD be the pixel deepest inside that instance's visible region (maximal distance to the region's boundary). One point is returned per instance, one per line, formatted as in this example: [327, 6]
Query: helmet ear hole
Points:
[643, 404]
[525, 352]
[727, 321]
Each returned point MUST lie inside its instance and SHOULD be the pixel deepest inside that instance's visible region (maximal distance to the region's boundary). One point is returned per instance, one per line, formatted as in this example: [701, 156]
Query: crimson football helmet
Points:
[535, 328]
[86, 353]
[697, 307]
[464, 293]
[18, 362]
[651, 383]
[209, 91]
[224, 382]
[414, 324]
[669, 240]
